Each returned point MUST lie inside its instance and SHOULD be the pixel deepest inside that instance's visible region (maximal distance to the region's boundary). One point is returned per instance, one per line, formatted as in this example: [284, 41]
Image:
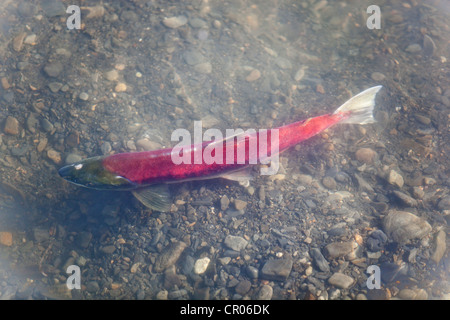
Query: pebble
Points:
[201, 265]
[320, 260]
[92, 286]
[5, 83]
[224, 203]
[53, 69]
[53, 8]
[32, 123]
[11, 126]
[423, 119]
[73, 139]
[204, 68]
[440, 247]
[252, 272]
[299, 74]
[339, 249]
[169, 256]
[84, 238]
[277, 269]
[413, 294]
[6, 238]
[304, 179]
[18, 41]
[444, 203]
[197, 23]
[95, 12]
[83, 96]
[395, 178]
[283, 63]
[72, 158]
[31, 39]
[418, 192]
[147, 145]
[105, 148]
[193, 57]
[54, 155]
[46, 125]
[108, 249]
[243, 287]
[402, 226]
[329, 183]
[112, 75]
[376, 241]
[320, 88]
[235, 243]
[42, 144]
[175, 22]
[341, 280]
[405, 199]
[265, 293]
[377, 76]
[120, 87]
[135, 267]
[365, 155]
[413, 48]
[177, 294]
[240, 204]
[162, 295]
[254, 75]
[55, 86]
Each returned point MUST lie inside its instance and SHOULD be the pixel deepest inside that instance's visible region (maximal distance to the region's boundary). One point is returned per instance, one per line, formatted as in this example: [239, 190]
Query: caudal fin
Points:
[360, 107]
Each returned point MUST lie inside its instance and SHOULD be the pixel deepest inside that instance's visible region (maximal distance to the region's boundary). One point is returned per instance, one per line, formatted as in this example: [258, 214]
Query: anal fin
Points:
[156, 197]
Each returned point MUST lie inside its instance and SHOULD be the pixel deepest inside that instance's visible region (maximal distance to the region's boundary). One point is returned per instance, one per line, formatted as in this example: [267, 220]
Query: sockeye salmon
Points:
[148, 173]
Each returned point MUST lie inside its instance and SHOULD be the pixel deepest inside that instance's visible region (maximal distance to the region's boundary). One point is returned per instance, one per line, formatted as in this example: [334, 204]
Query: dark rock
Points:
[376, 241]
[53, 69]
[277, 269]
[235, 243]
[405, 199]
[243, 287]
[169, 256]
[84, 238]
[320, 260]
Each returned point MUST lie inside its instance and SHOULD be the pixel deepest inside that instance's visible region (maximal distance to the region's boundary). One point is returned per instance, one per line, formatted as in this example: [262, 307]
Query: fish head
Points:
[91, 173]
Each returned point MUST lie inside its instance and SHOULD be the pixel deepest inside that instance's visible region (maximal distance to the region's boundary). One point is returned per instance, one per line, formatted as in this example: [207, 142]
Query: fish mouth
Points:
[65, 171]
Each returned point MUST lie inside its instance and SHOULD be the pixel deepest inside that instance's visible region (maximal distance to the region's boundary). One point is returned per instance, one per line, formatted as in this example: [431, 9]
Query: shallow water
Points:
[129, 77]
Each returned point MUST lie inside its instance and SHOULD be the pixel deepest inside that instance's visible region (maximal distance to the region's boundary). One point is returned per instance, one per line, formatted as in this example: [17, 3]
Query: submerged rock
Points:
[169, 256]
[277, 269]
[402, 226]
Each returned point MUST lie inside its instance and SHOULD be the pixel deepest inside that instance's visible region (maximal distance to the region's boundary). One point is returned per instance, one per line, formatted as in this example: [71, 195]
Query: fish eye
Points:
[78, 166]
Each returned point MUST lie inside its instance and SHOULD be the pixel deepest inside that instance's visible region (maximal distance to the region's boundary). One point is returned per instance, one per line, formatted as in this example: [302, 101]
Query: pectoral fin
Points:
[156, 197]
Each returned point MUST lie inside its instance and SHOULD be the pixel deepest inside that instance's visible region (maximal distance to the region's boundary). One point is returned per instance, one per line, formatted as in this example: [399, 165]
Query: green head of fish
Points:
[91, 173]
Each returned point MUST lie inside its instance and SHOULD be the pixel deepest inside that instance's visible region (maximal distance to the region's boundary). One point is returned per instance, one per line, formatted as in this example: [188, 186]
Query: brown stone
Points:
[12, 126]
[6, 238]
[18, 41]
[365, 155]
[73, 139]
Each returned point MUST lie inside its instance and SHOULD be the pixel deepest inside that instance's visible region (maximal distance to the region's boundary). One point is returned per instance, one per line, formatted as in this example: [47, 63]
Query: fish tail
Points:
[359, 109]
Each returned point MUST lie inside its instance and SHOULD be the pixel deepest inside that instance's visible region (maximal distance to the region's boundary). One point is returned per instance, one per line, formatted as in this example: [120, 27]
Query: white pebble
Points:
[201, 265]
